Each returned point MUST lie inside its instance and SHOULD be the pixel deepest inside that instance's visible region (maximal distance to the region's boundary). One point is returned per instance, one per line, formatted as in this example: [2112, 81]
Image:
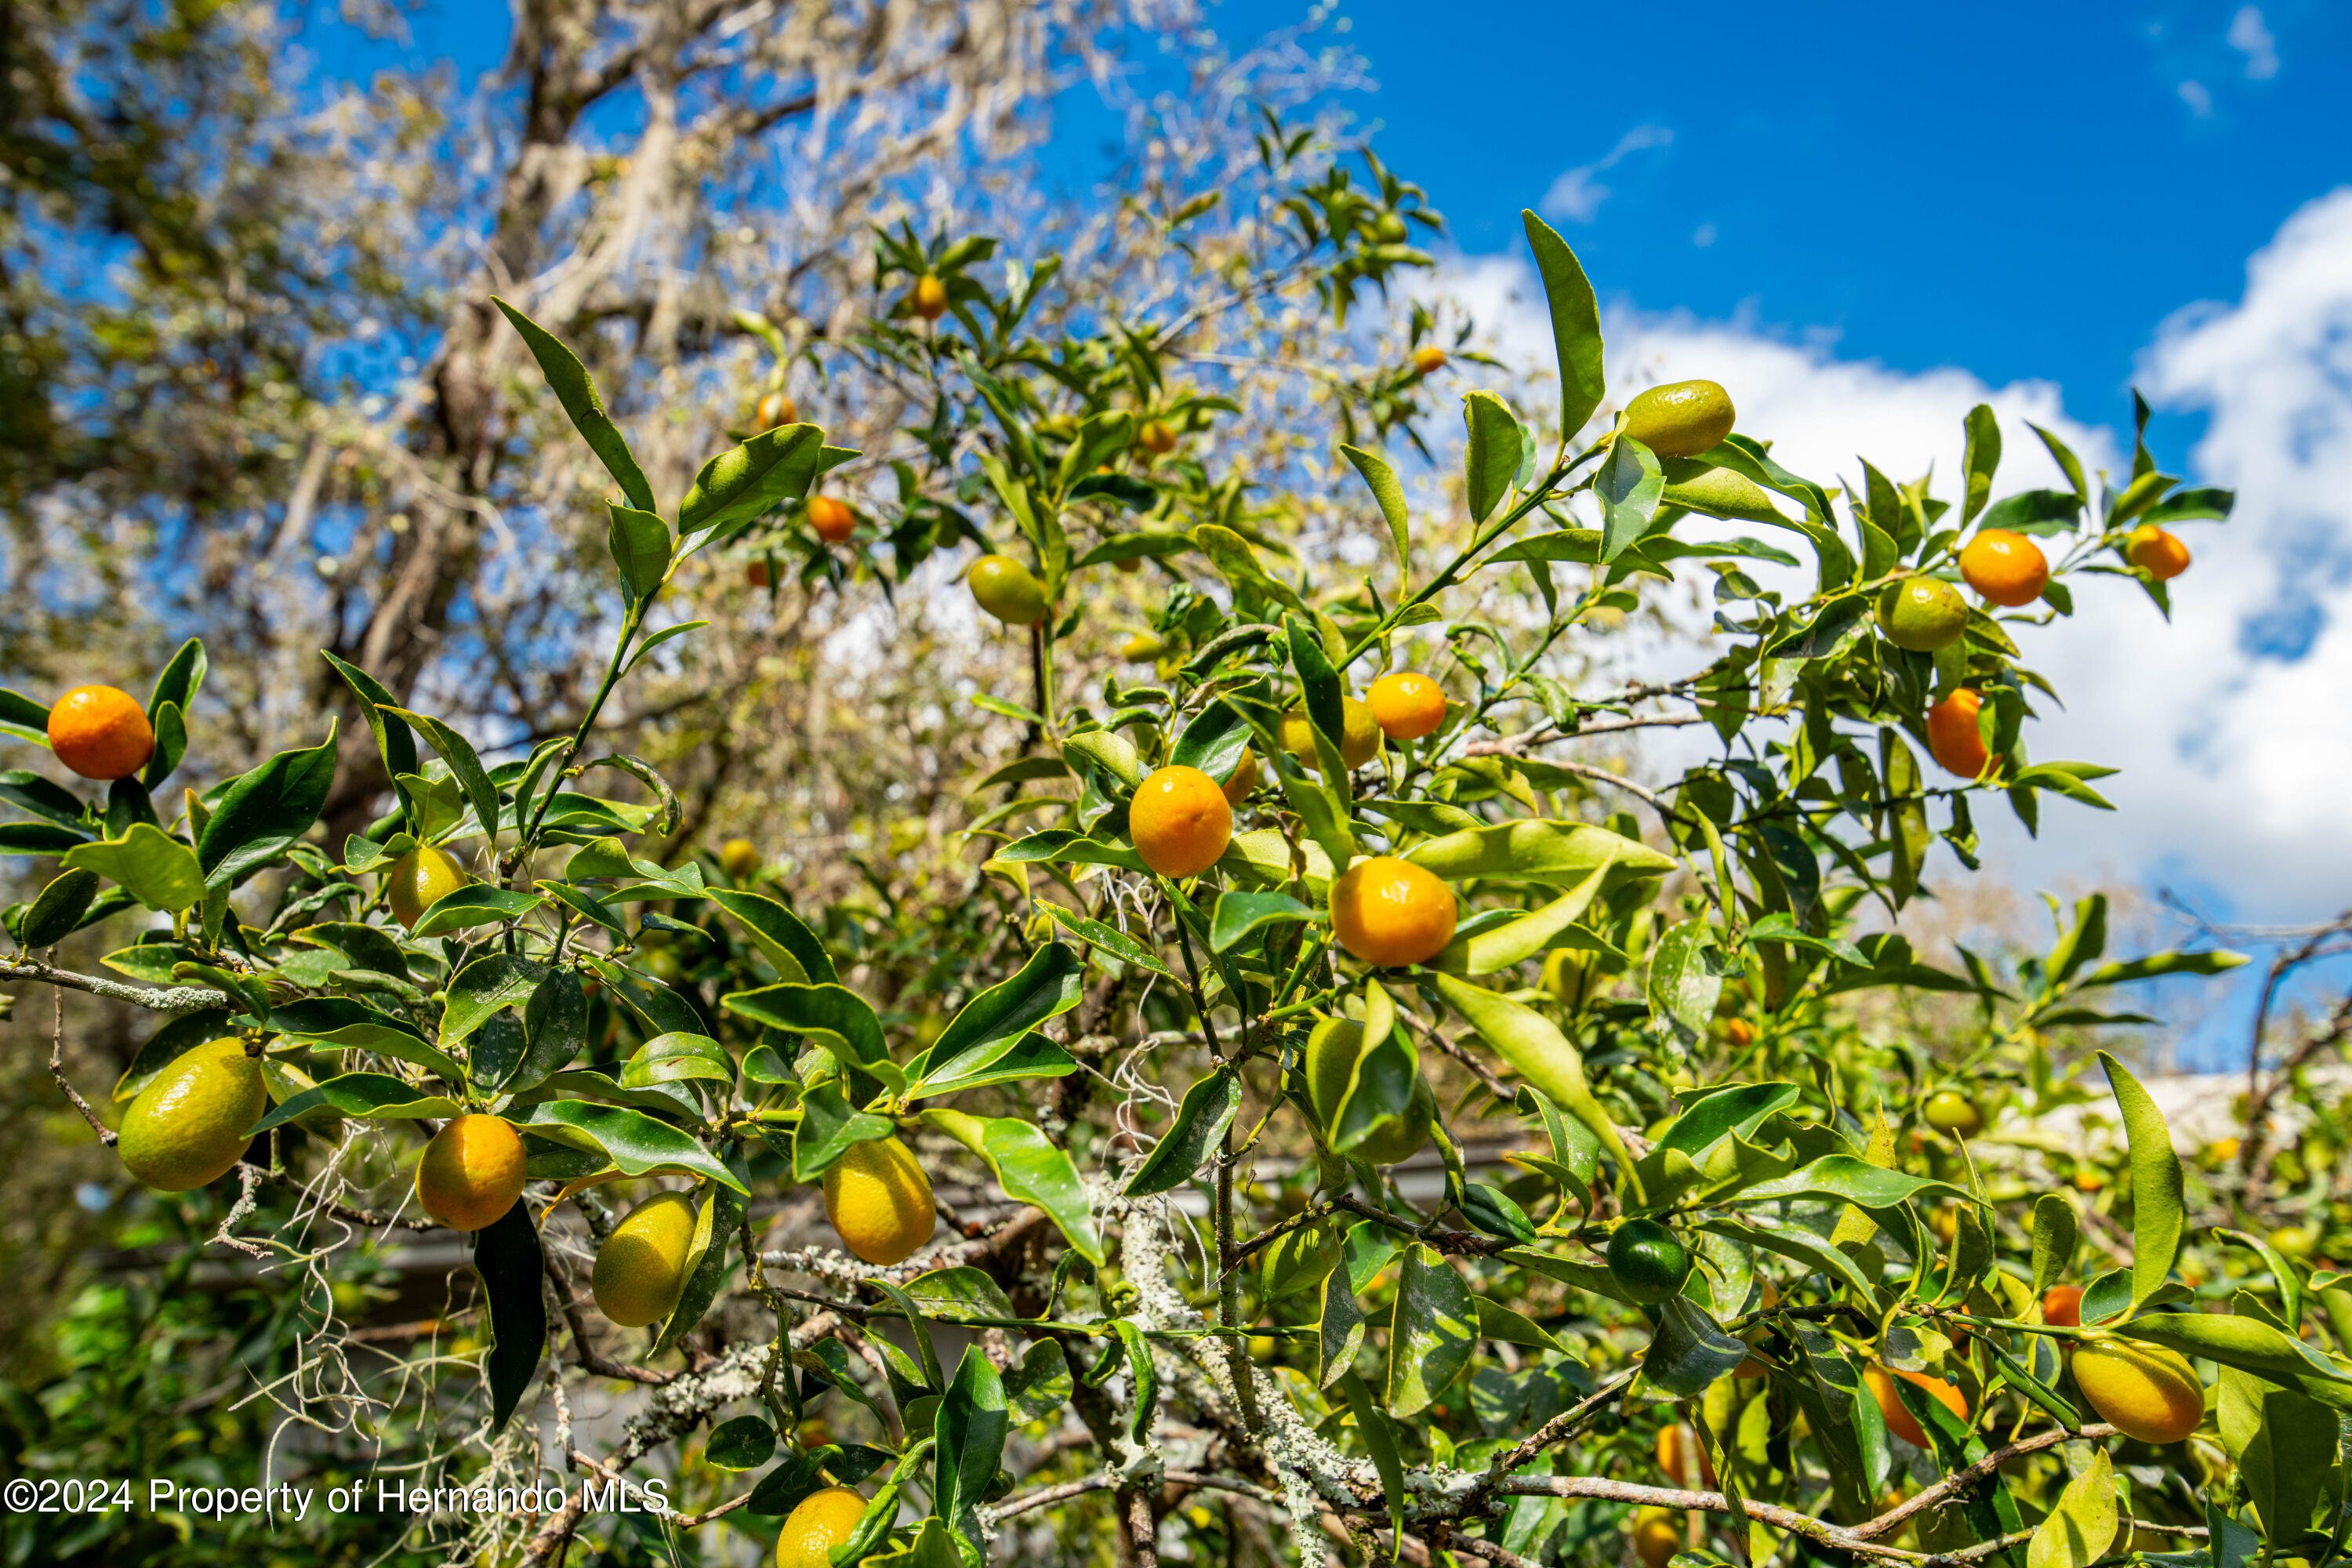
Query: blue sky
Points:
[1865, 218]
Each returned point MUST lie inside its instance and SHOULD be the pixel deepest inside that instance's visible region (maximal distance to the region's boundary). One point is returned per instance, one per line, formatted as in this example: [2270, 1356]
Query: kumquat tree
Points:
[1319, 1112]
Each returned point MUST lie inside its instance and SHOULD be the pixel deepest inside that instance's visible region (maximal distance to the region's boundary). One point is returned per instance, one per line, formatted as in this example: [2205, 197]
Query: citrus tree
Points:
[1371, 1130]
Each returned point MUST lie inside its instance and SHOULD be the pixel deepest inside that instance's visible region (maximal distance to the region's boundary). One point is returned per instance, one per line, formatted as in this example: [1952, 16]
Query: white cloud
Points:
[2253, 40]
[2199, 98]
[1577, 193]
[1704, 236]
[2226, 723]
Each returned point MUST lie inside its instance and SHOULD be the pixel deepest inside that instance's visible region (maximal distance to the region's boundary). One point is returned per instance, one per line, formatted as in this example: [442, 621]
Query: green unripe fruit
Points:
[1648, 1261]
[57, 911]
[1389, 229]
[1953, 1112]
[641, 1267]
[1008, 590]
[192, 1121]
[1681, 418]
[1331, 1052]
[1922, 614]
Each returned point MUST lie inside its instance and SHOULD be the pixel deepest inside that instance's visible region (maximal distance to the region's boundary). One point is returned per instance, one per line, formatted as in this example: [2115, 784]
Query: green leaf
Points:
[829, 1128]
[1628, 487]
[1490, 457]
[1978, 459]
[484, 986]
[715, 1221]
[56, 913]
[1373, 1427]
[740, 483]
[2054, 1231]
[38, 795]
[458, 752]
[2281, 1272]
[639, 542]
[1032, 1056]
[834, 1016]
[1685, 978]
[1720, 1113]
[2160, 1209]
[1390, 495]
[2284, 1443]
[1208, 1109]
[633, 1141]
[1145, 1374]
[1340, 1331]
[341, 1022]
[395, 741]
[678, 1057]
[1040, 1384]
[1212, 742]
[150, 865]
[1075, 848]
[475, 904]
[1031, 1170]
[1102, 938]
[1575, 325]
[374, 1096]
[554, 1029]
[1688, 1350]
[782, 935]
[988, 1025]
[22, 717]
[1536, 850]
[970, 1428]
[261, 814]
[1434, 1330]
[573, 386]
[2250, 1345]
[956, 1295]
[1795, 1242]
[745, 1443]
[2155, 965]
[507, 1255]
[48, 839]
[1238, 914]
[2082, 1525]
[1538, 1053]
[1854, 1180]
[1382, 1079]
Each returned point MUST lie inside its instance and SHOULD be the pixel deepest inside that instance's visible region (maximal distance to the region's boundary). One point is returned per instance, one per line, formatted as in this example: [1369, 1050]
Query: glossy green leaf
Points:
[640, 546]
[484, 986]
[740, 483]
[554, 1026]
[1237, 914]
[2082, 1525]
[2284, 1443]
[2159, 1205]
[1031, 1170]
[353, 1025]
[1628, 486]
[1212, 742]
[1575, 325]
[1490, 454]
[1340, 1328]
[2054, 1231]
[782, 935]
[1381, 1443]
[744, 1443]
[1208, 1109]
[475, 904]
[1537, 1052]
[1388, 495]
[1688, 1350]
[1685, 978]
[972, 1425]
[1032, 1056]
[1818, 1256]
[153, 867]
[395, 741]
[2250, 1345]
[1434, 1330]
[56, 912]
[374, 1096]
[22, 717]
[507, 1255]
[1851, 1179]
[1538, 851]
[458, 752]
[1104, 938]
[1492, 947]
[716, 1221]
[678, 1057]
[990, 1023]
[635, 1141]
[1040, 1384]
[576, 391]
[829, 1127]
[834, 1016]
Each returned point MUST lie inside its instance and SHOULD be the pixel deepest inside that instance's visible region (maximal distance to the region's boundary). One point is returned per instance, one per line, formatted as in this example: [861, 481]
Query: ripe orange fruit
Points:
[2007, 568]
[1181, 822]
[471, 1173]
[101, 734]
[1244, 779]
[1008, 590]
[1656, 1539]
[930, 297]
[1952, 735]
[819, 1522]
[1922, 614]
[1899, 1419]
[2155, 553]
[1390, 912]
[2062, 1306]
[879, 1200]
[756, 574]
[1359, 736]
[832, 519]
[1406, 706]
[1683, 1460]
[418, 880]
[1157, 438]
[1739, 1032]
[774, 409]
[1681, 418]
[2143, 1391]
[739, 857]
[1428, 359]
